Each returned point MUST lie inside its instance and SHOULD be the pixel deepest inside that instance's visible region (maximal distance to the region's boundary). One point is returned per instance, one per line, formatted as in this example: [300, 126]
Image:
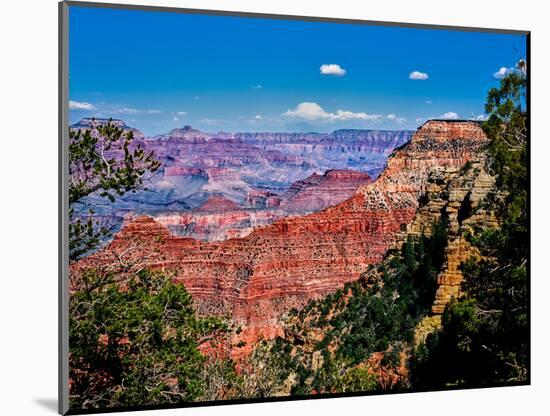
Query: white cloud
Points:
[314, 112]
[349, 115]
[419, 120]
[398, 120]
[428, 101]
[450, 115]
[175, 118]
[308, 111]
[257, 117]
[332, 69]
[481, 117]
[502, 72]
[80, 106]
[520, 68]
[127, 110]
[417, 75]
[181, 113]
[257, 87]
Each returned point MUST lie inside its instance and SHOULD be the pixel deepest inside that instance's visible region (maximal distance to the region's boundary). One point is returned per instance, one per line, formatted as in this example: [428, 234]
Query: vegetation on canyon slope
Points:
[130, 343]
[362, 338]
[330, 343]
[485, 334]
[137, 342]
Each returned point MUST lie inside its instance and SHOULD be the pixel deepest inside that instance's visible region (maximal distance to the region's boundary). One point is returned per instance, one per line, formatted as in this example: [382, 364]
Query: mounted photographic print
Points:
[262, 208]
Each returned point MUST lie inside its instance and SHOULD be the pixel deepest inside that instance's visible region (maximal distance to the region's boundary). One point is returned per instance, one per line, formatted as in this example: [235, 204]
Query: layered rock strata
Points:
[458, 195]
[257, 278]
[318, 192]
[196, 164]
[220, 218]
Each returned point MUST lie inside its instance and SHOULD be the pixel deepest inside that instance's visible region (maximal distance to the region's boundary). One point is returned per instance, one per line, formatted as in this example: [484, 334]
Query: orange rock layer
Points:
[257, 278]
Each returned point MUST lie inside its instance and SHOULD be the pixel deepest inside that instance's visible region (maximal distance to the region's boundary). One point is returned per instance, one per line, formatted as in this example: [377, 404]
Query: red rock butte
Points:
[257, 278]
[318, 192]
[218, 203]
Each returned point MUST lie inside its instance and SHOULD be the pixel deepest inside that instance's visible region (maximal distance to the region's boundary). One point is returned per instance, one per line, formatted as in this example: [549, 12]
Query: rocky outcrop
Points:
[262, 199]
[318, 192]
[457, 194]
[217, 203]
[259, 277]
[464, 213]
[217, 219]
[186, 133]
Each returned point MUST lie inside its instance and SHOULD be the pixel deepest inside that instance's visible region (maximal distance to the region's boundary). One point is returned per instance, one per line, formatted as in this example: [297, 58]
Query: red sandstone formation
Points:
[259, 277]
[318, 192]
[217, 203]
[220, 218]
[217, 219]
[312, 194]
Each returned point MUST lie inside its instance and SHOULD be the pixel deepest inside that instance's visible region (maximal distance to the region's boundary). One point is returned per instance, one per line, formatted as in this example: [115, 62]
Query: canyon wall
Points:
[457, 194]
[318, 192]
[197, 165]
[357, 149]
[257, 278]
[220, 218]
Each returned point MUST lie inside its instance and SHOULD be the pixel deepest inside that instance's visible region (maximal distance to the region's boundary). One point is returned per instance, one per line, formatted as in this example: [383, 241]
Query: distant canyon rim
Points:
[215, 186]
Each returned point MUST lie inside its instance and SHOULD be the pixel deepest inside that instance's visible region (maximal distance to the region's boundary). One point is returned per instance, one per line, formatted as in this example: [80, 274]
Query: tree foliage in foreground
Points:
[485, 335]
[137, 344]
[102, 163]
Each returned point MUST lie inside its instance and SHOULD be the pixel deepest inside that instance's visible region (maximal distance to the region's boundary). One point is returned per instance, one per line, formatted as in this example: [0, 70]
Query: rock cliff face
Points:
[457, 194]
[283, 265]
[455, 191]
[220, 218]
[262, 199]
[217, 219]
[318, 192]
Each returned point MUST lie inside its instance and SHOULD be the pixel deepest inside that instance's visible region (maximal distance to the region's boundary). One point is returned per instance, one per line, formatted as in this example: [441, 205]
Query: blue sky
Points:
[159, 70]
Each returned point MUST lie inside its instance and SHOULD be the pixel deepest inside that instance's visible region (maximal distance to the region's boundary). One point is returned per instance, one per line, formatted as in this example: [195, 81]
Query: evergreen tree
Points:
[136, 345]
[106, 163]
